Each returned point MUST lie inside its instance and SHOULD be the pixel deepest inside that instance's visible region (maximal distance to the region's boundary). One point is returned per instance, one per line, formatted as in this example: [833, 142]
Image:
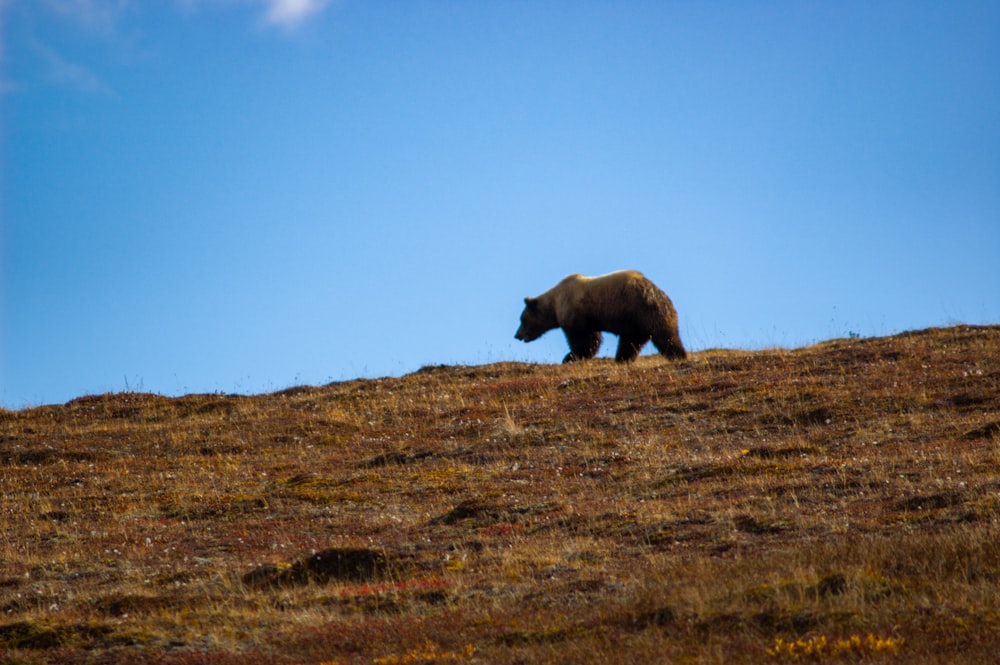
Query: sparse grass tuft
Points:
[821, 648]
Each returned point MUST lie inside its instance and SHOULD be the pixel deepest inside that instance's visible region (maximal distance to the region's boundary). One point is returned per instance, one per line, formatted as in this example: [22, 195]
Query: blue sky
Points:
[244, 195]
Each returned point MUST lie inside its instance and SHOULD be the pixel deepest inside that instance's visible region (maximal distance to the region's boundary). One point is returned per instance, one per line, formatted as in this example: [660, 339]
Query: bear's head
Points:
[537, 319]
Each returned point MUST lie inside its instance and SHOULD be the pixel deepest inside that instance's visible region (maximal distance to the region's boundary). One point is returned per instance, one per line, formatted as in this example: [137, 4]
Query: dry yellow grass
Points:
[837, 503]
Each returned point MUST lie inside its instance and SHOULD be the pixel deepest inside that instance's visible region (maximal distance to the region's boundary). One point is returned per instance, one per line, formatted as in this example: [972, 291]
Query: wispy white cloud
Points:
[286, 14]
[103, 15]
[292, 13]
[97, 15]
[105, 19]
[64, 72]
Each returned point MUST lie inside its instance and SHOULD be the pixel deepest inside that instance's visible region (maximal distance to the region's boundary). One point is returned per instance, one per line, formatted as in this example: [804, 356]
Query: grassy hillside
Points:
[837, 503]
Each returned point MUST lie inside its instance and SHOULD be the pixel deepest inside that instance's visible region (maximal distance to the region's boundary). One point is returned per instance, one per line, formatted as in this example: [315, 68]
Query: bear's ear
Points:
[529, 301]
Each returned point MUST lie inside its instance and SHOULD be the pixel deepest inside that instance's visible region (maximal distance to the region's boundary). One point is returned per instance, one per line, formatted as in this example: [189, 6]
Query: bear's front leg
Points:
[582, 345]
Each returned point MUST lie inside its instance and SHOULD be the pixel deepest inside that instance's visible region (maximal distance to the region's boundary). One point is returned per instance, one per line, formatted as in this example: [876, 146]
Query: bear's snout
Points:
[524, 335]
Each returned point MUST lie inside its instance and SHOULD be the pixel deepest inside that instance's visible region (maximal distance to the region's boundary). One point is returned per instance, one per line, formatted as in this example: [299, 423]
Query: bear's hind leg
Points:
[629, 348]
[669, 345]
[582, 346]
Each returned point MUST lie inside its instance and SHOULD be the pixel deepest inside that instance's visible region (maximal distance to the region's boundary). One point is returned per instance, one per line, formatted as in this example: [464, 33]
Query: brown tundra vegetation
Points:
[833, 504]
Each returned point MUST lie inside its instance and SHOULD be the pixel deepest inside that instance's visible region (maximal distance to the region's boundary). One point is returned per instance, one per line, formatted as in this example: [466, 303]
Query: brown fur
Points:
[623, 303]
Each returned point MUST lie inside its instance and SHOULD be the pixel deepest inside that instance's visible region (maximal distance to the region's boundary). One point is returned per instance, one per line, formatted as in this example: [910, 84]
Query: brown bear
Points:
[624, 303]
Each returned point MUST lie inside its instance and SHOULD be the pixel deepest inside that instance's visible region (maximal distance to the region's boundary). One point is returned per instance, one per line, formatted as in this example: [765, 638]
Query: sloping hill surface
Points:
[838, 503]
